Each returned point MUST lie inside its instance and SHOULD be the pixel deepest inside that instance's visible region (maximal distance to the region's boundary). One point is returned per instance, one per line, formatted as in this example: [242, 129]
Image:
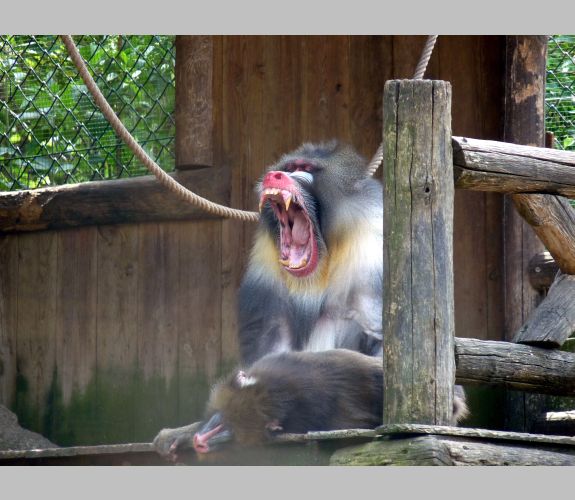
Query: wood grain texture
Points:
[474, 65]
[198, 317]
[8, 317]
[76, 317]
[418, 274]
[523, 123]
[110, 202]
[157, 341]
[117, 330]
[442, 450]
[553, 220]
[36, 346]
[553, 322]
[473, 432]
[194, 101]
[515, 366]
[508, 168]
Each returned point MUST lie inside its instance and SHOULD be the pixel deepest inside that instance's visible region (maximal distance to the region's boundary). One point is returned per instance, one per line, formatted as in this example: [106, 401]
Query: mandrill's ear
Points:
[243, 380]
[274, 426]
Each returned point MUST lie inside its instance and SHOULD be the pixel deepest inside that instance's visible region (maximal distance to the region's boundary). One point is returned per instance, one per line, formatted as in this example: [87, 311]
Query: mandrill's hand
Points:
[169, 441]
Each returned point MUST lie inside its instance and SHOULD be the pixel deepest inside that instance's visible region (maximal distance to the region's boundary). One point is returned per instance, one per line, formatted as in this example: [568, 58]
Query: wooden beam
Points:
[418, 253]
[553, 220]
[509, 168]
[542, 271]
[194, 111]
[139, 199]
[515, 366]
[553, 322]
[412, 450]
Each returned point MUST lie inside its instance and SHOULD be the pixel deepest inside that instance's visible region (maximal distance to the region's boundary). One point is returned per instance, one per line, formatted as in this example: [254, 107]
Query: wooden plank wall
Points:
[109, 333]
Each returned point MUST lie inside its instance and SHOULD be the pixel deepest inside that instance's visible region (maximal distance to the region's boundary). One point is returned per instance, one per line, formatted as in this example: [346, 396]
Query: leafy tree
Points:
[560, 90]
[51, 132]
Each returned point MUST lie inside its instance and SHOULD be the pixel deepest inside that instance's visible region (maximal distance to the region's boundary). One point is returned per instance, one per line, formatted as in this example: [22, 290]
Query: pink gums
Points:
[298, 247]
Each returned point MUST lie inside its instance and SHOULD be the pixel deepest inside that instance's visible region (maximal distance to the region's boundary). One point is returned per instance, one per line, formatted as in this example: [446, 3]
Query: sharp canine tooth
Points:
[287, 199]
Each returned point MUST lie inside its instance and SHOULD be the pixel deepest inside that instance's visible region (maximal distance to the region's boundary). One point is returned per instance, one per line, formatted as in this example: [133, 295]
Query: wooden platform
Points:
[408, 444]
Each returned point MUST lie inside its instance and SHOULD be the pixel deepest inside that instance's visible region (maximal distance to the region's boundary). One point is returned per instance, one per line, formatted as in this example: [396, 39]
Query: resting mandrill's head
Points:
[299, 196]
[240, 409]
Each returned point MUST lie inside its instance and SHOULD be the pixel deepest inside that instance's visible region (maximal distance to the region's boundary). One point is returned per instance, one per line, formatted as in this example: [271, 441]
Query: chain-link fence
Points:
[560, 90]
[51, 132]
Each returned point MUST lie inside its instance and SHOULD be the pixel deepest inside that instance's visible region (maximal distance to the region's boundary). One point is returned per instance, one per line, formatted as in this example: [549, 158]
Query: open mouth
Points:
[298, 248]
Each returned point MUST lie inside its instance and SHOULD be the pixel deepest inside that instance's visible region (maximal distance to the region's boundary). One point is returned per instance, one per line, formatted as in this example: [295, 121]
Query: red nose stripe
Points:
[201, 440]
[279, 180]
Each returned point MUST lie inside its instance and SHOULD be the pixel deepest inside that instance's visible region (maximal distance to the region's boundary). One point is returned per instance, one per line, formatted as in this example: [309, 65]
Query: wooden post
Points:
[418, 316]
[523, 124]
[194, 102]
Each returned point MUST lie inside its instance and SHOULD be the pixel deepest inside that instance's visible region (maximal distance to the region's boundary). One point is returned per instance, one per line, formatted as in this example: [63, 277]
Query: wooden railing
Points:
[419, 346]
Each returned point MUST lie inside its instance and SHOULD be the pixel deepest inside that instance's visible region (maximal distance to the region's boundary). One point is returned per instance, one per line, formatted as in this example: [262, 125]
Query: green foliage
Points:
[560, 90]
[51, 132]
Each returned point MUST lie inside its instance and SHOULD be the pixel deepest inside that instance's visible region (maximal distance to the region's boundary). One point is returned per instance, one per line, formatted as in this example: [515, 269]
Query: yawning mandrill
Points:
[314, 279]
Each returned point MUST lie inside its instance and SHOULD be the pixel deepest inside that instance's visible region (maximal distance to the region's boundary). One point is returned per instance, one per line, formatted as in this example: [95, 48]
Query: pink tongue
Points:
[299, 230]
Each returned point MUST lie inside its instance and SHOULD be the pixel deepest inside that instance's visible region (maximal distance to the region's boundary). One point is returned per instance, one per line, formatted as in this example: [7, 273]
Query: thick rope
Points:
[150, 164]
[377, 159]
[162, 176]
[425, 56]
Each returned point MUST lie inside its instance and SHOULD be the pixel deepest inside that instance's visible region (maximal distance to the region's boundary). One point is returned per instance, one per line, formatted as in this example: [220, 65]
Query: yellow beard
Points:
[266, 254]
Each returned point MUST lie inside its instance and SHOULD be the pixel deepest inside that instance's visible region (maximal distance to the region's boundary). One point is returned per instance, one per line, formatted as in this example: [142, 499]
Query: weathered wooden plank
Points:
[198, 317]
[365, 103]
[76, 318]
[160, 264]
[523, 123]
[474, 65]
[242, 107]
[418, 277]
[553, 220]
[424, 450]
[194, 101]
[470, 432]
[406, 53]
[8, 317]
[510, 168]
[542, 271]
[413, 444]
[325, 91]
[109, 202]
[440, 450]
[117, 332]
[36, 331]
[515, 366]
[553, 322]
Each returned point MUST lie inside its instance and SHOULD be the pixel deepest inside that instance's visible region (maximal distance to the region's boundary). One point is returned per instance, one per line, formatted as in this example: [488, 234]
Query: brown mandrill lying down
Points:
[291, 392]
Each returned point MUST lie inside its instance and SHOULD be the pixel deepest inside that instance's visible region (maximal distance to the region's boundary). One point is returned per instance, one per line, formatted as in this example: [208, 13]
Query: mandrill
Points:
[294, 392]
[314, 284]
[298, 392]
[314, 279]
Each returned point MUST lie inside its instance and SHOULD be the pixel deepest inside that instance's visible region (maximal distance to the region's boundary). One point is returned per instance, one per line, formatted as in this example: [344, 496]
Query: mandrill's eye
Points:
[304, 176]
[299, 166]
